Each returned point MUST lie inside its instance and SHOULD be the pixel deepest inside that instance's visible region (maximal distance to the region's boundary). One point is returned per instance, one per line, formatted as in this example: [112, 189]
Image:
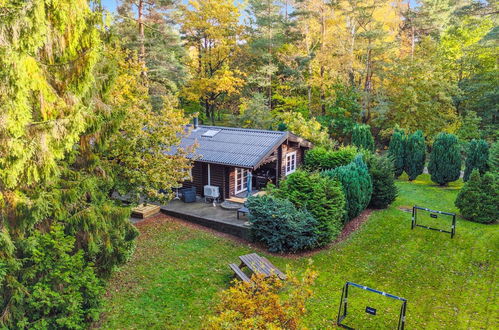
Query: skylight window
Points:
[211, 133]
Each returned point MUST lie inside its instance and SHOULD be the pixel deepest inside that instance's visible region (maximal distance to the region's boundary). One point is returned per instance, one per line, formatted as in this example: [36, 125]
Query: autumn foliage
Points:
[265, 303]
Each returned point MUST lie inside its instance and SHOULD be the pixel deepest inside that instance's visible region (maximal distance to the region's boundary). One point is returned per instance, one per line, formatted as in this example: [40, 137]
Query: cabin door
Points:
[241, 180]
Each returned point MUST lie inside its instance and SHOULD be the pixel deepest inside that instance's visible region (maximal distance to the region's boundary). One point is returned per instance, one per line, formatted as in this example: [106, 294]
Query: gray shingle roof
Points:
[239, 147]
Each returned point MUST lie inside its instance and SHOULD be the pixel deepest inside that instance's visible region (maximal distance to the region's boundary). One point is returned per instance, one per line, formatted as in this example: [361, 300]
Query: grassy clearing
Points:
[176, 272]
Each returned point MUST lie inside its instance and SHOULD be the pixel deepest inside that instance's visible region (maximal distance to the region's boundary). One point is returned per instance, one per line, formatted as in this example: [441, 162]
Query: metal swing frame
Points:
[344, 304]
[433, 214]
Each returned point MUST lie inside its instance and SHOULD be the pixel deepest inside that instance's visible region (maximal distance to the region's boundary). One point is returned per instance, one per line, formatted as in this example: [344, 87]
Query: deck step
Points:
[145, 211]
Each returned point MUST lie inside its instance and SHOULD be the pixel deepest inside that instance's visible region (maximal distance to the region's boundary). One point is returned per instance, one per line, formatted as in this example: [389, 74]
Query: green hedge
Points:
[397, 150]
[477, 157]
[321, 196]
[477, 200]
[494, 157]
[415, 155]
[356, 183]
[320, 158]
[445, 159]
[280, 225]
[362, 137]
[383, 179]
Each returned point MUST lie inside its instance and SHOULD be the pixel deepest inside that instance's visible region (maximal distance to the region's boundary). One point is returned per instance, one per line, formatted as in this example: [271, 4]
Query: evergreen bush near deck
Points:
[356, 183]
[282, 227]
[477, 157]
[321, 196]
[397, 151]
[320, 158]
[362, 137]
[383, 180]
[445, 159]
[477, 200]
[415, 155]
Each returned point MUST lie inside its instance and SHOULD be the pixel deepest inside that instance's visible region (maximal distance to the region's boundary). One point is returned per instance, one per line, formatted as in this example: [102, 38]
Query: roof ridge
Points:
[240, 129]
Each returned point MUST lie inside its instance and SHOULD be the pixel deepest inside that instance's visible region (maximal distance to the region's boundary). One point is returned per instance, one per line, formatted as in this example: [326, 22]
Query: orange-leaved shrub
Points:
[265, 303]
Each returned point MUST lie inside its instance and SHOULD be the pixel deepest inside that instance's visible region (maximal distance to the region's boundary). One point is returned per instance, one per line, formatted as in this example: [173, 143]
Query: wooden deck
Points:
[209, 216]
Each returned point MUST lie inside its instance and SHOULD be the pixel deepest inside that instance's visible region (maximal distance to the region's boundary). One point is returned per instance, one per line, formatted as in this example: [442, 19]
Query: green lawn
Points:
[177, 271]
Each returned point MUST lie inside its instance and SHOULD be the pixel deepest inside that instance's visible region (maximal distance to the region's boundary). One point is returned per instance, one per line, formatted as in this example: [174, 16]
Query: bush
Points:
[356, 183]
[445, 159]
[397, 151]
[477, 200]
[477, 157]
[362, 137]
[494, 158]
[262, 303]
[415, 155]
[58, 289]
[383, 179]
[321, 196]
[322, 159]
[278, 223]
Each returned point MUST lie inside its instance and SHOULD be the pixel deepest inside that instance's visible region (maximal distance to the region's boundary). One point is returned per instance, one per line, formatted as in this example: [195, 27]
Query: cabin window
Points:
[241, 180]
[290, 162]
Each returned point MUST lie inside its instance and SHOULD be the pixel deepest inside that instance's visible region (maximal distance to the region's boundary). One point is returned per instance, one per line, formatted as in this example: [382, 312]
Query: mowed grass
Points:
[175, 275]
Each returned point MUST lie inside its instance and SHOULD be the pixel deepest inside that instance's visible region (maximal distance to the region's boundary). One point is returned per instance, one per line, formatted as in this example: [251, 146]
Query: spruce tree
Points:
[494, 158]
[397, 152]
[445, 159]
[477, 200]
[415, 155]
[477, 157]
[357, 185]
[362, 137]
[381, 172]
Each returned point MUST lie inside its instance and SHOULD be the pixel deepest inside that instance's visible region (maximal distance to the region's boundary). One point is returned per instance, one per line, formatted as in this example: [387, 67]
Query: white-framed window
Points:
[241, 180]
[290, 162]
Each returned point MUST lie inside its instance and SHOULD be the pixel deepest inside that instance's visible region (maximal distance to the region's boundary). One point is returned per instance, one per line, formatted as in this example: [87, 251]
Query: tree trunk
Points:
[352, 48]
[140, 20]
[323, 47]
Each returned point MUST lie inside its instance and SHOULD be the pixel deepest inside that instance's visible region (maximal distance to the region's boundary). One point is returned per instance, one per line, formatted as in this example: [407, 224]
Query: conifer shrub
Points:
[320, 158]
[356, 183]
[477, 157]
[445, 159]
[477, 200]
[321, 196]
[494, 158]
[415, 155]
[58, 288]
[397, 151]
[383, 179]
[265, 303]
[280, 225]
[362, 137]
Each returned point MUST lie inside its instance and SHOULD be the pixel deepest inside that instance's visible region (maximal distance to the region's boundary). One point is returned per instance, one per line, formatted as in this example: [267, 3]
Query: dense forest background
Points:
[429, 65]
[84, 92]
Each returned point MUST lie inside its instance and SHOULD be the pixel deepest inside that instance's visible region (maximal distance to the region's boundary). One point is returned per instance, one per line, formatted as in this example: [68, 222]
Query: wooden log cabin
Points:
[226, 155]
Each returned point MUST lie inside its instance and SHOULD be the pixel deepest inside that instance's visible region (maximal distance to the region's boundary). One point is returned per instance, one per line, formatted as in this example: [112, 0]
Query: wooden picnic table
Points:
[261, 265]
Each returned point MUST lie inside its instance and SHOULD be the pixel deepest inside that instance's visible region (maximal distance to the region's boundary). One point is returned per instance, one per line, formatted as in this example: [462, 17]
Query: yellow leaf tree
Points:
[211, 29]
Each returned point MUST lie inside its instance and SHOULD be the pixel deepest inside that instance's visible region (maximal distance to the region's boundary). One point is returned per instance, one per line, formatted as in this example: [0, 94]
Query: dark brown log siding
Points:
[219, 178]
[224, 176]
[287, 149]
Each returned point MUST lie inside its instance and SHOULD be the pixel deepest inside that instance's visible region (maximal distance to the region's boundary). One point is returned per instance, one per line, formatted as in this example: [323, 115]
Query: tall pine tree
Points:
[397, 151]
[362, 137]
[415, 155]
[445, 159]
[477, 157]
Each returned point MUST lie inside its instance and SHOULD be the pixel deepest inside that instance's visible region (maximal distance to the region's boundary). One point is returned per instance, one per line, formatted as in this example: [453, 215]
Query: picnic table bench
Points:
[256, 264]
